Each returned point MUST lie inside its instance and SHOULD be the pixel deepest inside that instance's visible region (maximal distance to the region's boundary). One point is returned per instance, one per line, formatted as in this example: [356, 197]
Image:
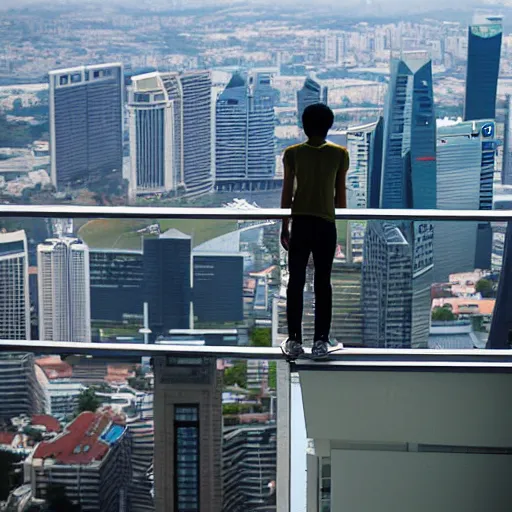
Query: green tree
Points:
[139, 383]
[236, 375]
[88, 401]
[485, 287]
[261, 337]
[443, 314]
[272, 375]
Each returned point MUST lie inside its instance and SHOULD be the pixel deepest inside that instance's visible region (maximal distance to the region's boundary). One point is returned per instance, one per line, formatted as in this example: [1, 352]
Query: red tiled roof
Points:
[80, 443]
[51, 424]
[7, 437]
[54, 367]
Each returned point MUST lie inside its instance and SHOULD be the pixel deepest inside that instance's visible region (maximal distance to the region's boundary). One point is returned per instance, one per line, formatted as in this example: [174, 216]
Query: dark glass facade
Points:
[150, 132]
[196, 136]
[167, 281]
[484, 48]
[400, 255]
[501, 325]
[506, 175]
[218, 288]
[116, 284]
[86, 123]
[409, 163]
[186, 442]
[375, 166]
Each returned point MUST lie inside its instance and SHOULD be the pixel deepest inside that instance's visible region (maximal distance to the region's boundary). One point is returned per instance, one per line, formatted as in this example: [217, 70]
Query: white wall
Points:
[408, 407]
[366, 481]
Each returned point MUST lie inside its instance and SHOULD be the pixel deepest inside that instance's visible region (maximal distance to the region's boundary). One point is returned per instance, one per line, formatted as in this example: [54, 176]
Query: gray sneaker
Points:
[320, 349]
[292, 348]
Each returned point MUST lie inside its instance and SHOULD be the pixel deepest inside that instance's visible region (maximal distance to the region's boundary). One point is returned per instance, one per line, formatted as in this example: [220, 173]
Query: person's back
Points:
[314, 184]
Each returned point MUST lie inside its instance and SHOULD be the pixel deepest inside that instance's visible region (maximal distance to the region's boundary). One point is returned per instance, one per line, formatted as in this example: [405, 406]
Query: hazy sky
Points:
[384, 7]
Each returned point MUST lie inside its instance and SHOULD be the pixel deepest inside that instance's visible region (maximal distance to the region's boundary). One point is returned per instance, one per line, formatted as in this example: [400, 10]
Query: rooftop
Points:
[51, 424]
[85, 440]
[55, 368]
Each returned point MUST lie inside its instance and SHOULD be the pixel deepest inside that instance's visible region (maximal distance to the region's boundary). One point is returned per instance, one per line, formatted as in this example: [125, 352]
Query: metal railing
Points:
[151, 212]
[500, 360]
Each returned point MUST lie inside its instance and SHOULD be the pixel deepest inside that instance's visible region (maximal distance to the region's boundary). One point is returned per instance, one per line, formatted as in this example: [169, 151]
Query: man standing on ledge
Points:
[313, 186]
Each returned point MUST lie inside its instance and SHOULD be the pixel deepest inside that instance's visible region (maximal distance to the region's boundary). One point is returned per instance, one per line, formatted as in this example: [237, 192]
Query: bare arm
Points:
[340, 198]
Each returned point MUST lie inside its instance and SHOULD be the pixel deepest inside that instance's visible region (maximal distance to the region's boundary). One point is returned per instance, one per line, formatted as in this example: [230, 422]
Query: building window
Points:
[325, 484]
[186, 458]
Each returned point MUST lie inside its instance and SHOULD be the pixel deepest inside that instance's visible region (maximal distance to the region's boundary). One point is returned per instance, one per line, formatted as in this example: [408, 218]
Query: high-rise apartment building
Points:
[249, 467]
[155, 125]
[86, 123]
[64, 290]
[244, 132]
[14, 287]
[20, 386]
[408, 180]
[91, 459]
[465, 168]
[312, 92]
[188, 435]
[170, 133]
[116, 278]
[167, 288]
[483, 65]
[387, 290]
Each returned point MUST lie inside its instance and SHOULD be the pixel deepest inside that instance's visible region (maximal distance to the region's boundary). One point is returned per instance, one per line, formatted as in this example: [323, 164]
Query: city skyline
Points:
[197, 113]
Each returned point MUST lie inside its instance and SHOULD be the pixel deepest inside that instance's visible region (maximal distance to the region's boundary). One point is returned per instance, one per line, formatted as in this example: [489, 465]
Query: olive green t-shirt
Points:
[314, 170]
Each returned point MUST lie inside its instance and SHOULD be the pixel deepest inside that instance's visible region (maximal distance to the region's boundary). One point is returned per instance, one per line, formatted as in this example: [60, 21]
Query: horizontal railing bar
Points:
[144, 212]
[349, 356]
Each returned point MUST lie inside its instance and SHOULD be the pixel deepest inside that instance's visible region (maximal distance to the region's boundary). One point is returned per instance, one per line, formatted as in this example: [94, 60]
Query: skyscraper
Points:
[465, 167]
[14, 289]
[408, 180]
[231, 131]
[21, 391]
[375, 166]
[360, 145]
[196, 122]
[261, 150]
[501, 324]
[188, 435]
[387, 290]
[170, 133]
[312, 92]
[116, 278]
[64, 290]
[168, 281]
[506, 173]
[484, 49]
[86, 123]
[154, 109]
[409, 160]
[249, 466]
[245, 121]
[218, 287]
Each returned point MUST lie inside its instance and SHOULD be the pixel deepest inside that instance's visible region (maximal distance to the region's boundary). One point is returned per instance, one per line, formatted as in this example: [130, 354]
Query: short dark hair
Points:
[317, 120]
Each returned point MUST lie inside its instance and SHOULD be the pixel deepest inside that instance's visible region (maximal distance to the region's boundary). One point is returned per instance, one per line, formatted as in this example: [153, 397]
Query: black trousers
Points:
[317, 236]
